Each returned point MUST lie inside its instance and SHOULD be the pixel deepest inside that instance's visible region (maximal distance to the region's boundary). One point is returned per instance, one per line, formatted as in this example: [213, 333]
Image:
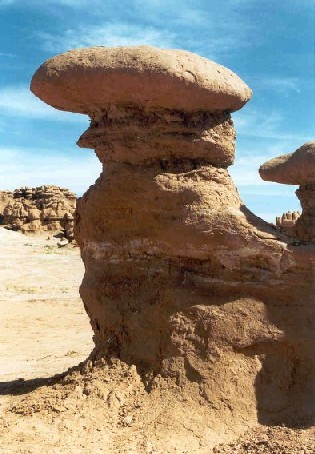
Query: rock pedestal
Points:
[181, 280]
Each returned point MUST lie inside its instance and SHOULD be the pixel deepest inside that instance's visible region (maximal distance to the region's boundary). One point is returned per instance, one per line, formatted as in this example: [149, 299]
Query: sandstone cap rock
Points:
[294, 168]
[90, 79]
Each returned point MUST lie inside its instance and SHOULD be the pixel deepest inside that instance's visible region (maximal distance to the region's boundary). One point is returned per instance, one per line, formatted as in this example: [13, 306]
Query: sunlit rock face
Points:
[181, 280]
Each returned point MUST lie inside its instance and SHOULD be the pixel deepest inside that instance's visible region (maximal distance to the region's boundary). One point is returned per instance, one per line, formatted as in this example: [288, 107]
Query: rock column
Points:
[181, 280]
[305, 225]
[162, 129]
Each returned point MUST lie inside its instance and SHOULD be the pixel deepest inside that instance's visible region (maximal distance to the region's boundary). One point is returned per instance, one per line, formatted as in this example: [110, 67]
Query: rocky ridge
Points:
[5, 198]
[45, 208]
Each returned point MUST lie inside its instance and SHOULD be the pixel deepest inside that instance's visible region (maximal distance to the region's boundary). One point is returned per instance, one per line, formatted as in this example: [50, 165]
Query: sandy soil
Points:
[44, 331]
[44, 327]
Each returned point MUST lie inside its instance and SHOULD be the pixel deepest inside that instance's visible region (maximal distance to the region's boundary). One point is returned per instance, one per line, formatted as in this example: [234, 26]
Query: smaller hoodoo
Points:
[297, 168]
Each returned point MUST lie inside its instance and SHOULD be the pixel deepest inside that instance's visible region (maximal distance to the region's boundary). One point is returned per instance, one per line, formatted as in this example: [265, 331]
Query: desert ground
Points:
[45, 331]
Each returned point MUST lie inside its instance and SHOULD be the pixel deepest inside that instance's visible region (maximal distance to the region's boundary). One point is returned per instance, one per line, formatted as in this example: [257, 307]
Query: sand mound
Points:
[106, 409]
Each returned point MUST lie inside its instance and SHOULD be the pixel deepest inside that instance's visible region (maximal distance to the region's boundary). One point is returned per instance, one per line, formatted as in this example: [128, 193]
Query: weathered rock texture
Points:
[297, 168]
[182, 281]
[88, 80]
[39, 209]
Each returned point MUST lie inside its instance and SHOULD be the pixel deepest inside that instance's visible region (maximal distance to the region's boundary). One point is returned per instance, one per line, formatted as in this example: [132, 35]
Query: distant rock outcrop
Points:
[39, 209]
[5, 198]
[287, 222]
[211, 305]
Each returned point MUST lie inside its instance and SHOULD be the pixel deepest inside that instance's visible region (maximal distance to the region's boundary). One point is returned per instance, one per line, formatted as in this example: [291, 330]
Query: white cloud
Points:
[37, 168]
[252, 123]
[189, 13]
[282, 85]
[108, 34]
[168, 25]
[19, 101]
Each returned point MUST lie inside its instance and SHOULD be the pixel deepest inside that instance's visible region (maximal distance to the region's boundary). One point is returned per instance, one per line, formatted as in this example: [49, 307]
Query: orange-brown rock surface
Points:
[39, 209]
[210, 304]
[141, 76]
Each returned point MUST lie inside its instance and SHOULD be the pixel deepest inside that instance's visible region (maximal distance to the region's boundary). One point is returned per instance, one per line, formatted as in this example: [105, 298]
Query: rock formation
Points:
[287, 222]
[297, 168]
[181, 280]
[39, 209]
[5, 198]
[68, 225]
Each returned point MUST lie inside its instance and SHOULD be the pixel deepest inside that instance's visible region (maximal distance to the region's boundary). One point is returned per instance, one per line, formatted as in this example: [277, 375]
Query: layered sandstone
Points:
[44, 208]
[181, 280]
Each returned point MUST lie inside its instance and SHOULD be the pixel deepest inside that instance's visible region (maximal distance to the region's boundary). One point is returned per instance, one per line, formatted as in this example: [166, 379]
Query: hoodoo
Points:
[297, 168]
[211, 304]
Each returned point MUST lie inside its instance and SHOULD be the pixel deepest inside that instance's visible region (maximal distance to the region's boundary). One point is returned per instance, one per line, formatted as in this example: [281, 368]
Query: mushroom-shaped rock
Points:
[179, 277]
[297, 168]
[146, 103]
[86, 80]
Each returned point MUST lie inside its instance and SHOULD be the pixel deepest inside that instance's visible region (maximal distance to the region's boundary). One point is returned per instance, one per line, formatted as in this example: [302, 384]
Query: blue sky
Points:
[269, 43]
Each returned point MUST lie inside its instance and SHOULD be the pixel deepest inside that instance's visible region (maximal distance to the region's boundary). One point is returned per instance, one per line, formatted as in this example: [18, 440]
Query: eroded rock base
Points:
[186, 285]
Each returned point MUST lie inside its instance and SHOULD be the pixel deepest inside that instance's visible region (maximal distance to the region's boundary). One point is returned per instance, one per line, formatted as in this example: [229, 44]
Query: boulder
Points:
[294, 168]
